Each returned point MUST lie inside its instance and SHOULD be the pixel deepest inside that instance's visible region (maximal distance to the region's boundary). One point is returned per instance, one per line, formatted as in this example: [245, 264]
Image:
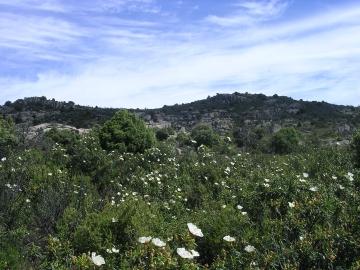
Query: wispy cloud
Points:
[250, 12]
[151, 62]
[46, 5]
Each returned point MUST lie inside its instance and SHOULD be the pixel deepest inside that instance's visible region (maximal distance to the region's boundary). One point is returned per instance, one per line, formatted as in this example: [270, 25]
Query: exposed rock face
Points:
[35, 131]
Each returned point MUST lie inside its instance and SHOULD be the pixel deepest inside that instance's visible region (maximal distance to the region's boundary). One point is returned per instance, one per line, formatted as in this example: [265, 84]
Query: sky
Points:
[150, 53]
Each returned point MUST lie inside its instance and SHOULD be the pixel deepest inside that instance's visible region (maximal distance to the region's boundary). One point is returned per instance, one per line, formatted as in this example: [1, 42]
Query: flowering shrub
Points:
[72, 205]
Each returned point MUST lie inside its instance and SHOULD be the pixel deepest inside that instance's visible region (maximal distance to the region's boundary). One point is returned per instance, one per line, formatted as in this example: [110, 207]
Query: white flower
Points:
[97, 259]
[302, 180]
[239, 207]
[306, 175]
[350, 176]
[144, 239]
[291, 204]
[113, 220]
[341, 187]
[183, 253]
[27, 200]
[244, 213]
[249, 248]
[266, 185]
[157, 242]
[114, 250]
[223, 206]
[195, 230]
[313, 189]
[195, 253]
[3, 159]
[228, 238]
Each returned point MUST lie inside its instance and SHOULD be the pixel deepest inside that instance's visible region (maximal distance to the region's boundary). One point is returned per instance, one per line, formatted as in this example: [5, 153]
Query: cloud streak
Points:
[249, 13]
[151, 62]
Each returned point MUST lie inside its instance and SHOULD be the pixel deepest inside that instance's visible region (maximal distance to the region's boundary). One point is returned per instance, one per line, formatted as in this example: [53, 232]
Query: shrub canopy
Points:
[285, 141]
[125, 132]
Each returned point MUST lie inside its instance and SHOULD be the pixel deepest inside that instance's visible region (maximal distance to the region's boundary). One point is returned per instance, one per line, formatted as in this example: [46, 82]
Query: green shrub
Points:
[356, 148]
[8, 137]
[205, 135]
[163, 134]
[125, 132]
[285, 141]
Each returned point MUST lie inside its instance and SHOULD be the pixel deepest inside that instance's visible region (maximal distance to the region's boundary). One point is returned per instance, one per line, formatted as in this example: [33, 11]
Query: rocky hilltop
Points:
[240, 113]
[34, 111]
[245, 112]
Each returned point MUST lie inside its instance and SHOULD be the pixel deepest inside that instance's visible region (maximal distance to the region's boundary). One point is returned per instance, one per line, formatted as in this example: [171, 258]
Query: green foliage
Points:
[285, 141]
[125, 132]
[356, 148]
[8, 137]
[205, 135]
[163, 134]
[68, 198]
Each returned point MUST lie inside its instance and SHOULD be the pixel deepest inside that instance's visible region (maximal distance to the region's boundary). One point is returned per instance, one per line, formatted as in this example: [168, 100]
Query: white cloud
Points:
[147, 66]
[46, 5]
[31, 33]
[250, 12]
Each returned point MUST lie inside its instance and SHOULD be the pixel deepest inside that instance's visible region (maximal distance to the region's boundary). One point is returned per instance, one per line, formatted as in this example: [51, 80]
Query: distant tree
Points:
[355, 145]
[126, 132]
[163, 134]
[204, 134]
[8, 137]
[285, 141]
[249, 138]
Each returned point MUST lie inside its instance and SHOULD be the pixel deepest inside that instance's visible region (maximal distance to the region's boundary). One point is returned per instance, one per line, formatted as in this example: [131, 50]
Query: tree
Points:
[285, 141]
[204, 134]
[355, 145]
[8, 137]
[164, 133]
[126, 132]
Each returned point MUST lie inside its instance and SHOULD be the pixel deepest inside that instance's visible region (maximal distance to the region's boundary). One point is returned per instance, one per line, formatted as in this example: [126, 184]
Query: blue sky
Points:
[148, 53]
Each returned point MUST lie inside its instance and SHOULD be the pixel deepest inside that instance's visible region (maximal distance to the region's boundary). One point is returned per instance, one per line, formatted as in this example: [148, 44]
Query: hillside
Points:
[234, 113]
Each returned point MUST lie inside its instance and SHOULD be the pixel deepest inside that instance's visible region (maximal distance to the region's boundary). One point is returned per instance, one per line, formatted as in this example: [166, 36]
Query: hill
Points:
[238, 114]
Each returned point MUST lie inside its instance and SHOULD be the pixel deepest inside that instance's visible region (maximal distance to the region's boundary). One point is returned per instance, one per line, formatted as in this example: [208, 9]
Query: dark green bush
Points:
[285, 141]
[205, 135]
[356, 148]
[8, 137]
[126, 132]
[163, 134]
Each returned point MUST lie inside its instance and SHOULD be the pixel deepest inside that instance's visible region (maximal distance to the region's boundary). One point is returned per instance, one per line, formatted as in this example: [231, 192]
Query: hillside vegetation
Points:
[246, 117]
[126, 196]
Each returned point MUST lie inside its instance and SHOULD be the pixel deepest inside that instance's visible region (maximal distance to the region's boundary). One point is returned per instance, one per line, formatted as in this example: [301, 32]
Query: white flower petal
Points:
[157, 242]
[97, 259]
[183, 253]
[228, 238]
[249, 248]
[195, 230]
[144, 239]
